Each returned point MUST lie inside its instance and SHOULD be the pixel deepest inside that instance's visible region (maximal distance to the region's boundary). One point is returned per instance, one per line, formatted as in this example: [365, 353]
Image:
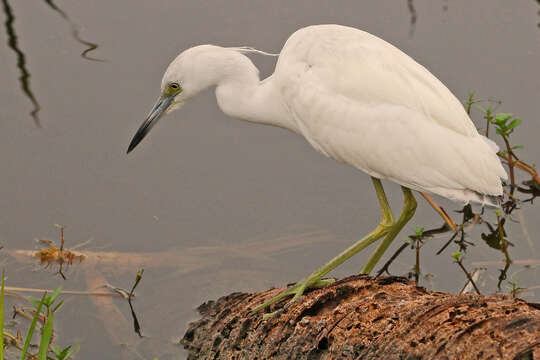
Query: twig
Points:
[458, 261]
[524, 262]
[504, 243]
[428, 233]
[417, 263]
[61, 251]
[70, 292]
[488, 118]
[440, 211]
[447, 243]
[510, 164]
[391, 260]
[476, 219]
[523, 166]
[468, 285]
[138, 278]
[136, 324]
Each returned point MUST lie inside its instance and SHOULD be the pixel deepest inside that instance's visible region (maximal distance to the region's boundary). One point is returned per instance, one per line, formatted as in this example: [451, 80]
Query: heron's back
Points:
[362, 101]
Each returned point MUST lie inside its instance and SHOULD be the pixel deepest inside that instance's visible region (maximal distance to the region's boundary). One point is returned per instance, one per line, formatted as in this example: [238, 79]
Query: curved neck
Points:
[240, 94]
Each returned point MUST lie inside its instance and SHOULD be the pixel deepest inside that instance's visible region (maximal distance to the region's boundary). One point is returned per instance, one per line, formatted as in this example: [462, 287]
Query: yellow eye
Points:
[174, 86]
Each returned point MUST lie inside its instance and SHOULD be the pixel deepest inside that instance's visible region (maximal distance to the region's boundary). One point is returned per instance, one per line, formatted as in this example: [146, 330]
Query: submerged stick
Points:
[136, 325]
[65, 292]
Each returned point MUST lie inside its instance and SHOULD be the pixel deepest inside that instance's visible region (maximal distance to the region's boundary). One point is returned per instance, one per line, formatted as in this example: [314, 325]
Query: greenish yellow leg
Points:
[314, 280]
[409, 207]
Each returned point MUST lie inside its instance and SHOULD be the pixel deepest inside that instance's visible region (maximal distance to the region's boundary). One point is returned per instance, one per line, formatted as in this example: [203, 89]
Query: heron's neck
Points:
[245, 97]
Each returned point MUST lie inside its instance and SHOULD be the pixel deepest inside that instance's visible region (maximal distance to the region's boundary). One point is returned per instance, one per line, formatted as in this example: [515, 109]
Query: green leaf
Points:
[57, 350]
[456, 255]
[57, 306]
[514, 123]
[55, 294]
[419, 231]
[46, 337]
[64, 353]
[518, 147]
[492, 240]
[32, 327]
[502, 117]
[73, 350]
[32, 300]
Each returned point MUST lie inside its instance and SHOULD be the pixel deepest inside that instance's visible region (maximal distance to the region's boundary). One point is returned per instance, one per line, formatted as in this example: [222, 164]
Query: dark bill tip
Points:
[155, 114]
[141, 133]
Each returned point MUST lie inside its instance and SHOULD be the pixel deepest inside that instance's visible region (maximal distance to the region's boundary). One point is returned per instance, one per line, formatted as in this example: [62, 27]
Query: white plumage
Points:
[362, 101]
[358, 100]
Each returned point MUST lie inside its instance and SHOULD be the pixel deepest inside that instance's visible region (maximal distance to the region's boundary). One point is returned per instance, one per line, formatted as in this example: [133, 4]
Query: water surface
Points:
[244, 206]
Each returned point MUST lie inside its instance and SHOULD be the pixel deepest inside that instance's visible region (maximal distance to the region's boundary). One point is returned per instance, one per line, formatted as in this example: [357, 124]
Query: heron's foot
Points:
[297, 290]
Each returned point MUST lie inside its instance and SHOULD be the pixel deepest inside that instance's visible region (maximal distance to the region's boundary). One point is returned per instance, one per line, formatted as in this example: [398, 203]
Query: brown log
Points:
[362, 317]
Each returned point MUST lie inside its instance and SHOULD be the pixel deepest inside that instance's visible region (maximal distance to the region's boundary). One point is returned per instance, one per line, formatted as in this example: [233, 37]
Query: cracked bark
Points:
[361, 317]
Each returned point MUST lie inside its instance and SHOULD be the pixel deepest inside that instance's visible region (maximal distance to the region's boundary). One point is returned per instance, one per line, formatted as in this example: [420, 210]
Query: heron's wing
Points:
[403, 125]
[357, 65]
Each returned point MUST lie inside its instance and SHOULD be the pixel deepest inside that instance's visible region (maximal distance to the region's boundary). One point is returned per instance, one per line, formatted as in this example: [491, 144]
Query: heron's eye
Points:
[172, 89]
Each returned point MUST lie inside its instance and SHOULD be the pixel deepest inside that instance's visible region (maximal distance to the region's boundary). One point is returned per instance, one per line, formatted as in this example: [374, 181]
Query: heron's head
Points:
[192, 71]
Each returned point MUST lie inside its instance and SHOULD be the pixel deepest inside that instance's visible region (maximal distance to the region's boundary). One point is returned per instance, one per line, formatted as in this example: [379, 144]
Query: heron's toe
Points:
[297, 290]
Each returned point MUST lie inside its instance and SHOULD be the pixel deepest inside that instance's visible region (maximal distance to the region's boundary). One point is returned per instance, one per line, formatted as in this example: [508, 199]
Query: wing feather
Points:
[363, 67]
[362, 101]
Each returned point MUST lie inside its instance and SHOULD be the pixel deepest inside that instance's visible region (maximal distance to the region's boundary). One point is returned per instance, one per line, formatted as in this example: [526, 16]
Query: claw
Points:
[267, 316]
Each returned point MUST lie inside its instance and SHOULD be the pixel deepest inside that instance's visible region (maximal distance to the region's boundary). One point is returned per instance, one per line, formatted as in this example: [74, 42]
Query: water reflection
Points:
[75, 32]
[63, 175]
[24, 77]
[538, 2]
[412, 13]
[13, 44]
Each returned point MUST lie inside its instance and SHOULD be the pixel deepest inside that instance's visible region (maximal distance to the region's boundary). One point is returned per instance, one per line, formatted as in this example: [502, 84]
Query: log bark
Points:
[362, 317]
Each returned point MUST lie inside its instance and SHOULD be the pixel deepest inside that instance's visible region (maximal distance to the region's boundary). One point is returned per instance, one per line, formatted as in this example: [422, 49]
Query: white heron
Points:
[356, 99]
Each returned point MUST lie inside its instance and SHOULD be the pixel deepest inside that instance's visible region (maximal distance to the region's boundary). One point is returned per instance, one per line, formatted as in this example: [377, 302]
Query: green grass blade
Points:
[55, 294]
[58, 305]
[32, 300]
[2, 319]
[46, 337]
[72, 351]
[32, 327]
[57, 350]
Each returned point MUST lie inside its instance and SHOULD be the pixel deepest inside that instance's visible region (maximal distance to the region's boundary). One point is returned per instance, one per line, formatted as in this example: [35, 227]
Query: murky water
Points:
[216, 205]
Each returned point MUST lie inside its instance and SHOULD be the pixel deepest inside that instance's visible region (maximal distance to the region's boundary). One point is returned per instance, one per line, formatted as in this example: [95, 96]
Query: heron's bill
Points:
[155, 114]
